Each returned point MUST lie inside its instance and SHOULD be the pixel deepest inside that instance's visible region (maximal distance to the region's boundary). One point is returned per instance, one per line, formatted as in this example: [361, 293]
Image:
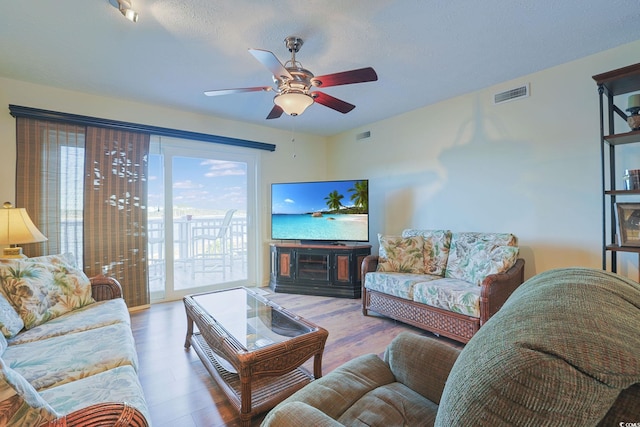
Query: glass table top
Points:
[251, 319]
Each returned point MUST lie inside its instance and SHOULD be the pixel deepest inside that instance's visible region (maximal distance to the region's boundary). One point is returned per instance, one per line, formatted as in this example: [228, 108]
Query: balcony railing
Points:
[203, 252]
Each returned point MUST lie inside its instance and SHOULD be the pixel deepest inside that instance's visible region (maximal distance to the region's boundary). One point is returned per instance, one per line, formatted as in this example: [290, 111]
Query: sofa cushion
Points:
[393, 404]
[397, 284]
[361, 392]
[559, 352]
[436, 248]
[120, 384]
[454, 295]
[422, 363]
[401, 254]
[473, 256]
[296, 414]
[59, 360]
[337, 391]
[20, 403]
[10, 321]
[92, 316]
[43, 291]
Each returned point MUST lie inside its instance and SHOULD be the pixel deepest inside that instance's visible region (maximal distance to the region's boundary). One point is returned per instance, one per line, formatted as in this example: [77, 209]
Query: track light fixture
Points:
[124, 6]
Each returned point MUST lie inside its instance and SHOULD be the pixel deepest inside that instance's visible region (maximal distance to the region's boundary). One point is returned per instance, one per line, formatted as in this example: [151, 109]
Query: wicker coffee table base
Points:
[266, 392]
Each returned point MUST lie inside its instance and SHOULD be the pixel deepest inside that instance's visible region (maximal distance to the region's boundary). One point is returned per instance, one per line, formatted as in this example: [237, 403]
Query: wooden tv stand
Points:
[324, 270]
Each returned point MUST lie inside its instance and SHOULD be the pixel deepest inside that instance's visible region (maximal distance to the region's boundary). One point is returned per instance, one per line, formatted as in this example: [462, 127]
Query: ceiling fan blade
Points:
[273, 64]
[346, 77]
[275, 112]
[331, 102]
[238, 90]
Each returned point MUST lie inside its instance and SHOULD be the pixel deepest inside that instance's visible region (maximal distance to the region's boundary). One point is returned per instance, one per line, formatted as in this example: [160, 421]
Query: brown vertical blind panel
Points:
[41, 146]
[115, 215]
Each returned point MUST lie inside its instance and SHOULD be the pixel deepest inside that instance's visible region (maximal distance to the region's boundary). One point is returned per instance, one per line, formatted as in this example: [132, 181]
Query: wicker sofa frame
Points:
[495, 289]
[117, 414]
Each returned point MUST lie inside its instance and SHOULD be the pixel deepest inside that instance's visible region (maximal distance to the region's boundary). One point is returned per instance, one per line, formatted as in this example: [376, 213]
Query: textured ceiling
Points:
[424, 51]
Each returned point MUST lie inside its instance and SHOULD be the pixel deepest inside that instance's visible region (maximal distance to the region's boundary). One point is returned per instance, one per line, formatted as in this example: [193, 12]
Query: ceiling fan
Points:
[294, 83]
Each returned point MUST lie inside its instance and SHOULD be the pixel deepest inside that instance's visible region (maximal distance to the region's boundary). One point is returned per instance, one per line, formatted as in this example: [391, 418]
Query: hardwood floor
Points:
[179, 390]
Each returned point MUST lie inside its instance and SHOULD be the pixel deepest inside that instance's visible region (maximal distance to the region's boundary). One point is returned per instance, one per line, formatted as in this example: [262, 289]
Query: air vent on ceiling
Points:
[511, 94]
[363, 135]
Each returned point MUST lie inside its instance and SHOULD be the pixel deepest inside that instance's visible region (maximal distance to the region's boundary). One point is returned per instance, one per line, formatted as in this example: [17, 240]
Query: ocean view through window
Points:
[198, 210]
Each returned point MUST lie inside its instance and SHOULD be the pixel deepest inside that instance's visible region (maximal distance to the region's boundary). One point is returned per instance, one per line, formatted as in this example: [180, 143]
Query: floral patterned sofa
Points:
[67, 354]
[449, 283]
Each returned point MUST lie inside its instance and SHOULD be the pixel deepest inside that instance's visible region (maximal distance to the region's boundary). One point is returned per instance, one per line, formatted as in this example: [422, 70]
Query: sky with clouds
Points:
[198, 183]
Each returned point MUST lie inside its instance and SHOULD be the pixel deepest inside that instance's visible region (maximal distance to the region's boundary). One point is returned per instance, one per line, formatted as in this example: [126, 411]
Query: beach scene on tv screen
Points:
[332, 210]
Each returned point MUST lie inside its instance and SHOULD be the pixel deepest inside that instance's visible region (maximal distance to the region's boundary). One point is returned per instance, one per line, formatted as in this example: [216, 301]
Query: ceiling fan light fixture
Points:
[293, 103]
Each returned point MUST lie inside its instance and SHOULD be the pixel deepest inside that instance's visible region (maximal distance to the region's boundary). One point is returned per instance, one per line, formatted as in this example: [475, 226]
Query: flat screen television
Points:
[321, 211]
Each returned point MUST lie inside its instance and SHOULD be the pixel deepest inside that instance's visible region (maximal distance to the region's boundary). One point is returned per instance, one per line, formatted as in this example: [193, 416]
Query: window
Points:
[71, 190]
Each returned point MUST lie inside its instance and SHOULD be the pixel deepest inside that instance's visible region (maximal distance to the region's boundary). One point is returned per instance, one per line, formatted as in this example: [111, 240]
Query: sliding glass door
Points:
[201, 201]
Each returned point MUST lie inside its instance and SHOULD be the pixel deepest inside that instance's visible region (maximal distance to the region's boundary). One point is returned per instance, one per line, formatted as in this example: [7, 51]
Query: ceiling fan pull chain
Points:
[293, 138]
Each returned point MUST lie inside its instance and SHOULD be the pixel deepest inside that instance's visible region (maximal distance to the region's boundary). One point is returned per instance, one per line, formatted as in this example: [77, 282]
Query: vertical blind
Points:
[115, 215]
[102, 206]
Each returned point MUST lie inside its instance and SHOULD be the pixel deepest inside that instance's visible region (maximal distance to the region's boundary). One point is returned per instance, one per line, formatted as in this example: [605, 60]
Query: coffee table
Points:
[253, 348]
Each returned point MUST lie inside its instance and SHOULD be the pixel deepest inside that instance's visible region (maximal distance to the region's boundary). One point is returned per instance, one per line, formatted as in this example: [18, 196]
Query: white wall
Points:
[530, 167]
[309, 162]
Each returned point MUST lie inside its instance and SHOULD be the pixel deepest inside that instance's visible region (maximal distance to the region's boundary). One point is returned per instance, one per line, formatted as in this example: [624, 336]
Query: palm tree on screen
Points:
[334, 200]
[360, 194]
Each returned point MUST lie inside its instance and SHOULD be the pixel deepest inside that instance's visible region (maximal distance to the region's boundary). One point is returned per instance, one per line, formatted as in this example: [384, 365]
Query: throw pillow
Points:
[67, 258]
[21, 403]
[401, 254]
[10, 321]
[436, 248]
[43, 291]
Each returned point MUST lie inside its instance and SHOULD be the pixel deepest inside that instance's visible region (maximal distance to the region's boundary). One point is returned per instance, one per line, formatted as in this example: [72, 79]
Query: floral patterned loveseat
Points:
[67, 354]
[449, 283]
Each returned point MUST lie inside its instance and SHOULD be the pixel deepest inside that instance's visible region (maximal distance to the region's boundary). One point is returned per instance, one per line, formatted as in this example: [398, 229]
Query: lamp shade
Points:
[16, 227]
[293, 103]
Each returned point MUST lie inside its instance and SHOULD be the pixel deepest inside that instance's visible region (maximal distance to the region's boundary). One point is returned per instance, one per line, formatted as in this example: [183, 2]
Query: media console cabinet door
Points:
[284, 263]
[342, 267]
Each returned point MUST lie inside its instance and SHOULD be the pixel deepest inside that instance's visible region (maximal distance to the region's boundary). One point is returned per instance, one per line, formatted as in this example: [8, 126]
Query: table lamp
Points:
[17, 228]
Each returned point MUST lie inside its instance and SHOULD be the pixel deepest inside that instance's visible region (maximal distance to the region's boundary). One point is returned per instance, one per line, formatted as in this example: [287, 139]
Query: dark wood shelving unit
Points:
[324, 270]
[610, 84]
